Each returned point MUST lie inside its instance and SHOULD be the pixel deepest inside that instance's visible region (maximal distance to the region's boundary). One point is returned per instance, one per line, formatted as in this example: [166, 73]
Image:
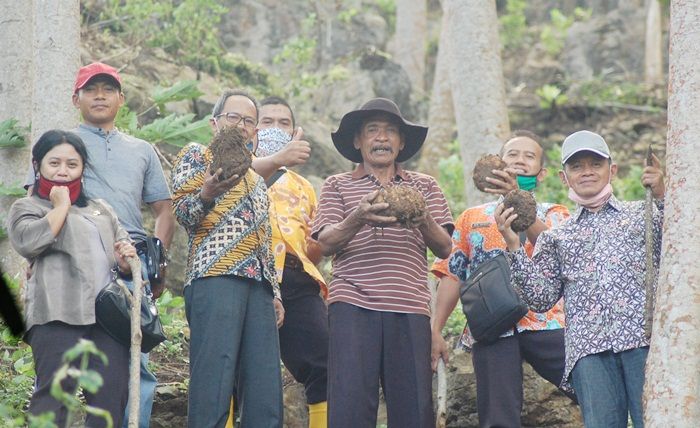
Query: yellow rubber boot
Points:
[231, 416]
[318, 415]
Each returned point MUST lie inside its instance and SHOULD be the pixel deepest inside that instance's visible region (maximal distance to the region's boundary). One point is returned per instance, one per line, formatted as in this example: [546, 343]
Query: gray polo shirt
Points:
[122, 170]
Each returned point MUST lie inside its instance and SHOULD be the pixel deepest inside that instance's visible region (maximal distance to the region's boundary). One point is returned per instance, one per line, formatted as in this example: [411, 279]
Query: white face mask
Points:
[271, 141]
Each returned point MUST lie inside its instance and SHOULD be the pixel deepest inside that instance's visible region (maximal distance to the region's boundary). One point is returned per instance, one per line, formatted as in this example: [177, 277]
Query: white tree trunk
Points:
[671, 393]
[56, 62]
[478, 91]
[653, 58]
[441, 114]
[410, 40]
[15, 103]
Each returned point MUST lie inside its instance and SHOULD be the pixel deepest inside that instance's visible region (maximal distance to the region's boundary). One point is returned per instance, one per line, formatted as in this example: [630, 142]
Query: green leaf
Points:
[183, 90]
[176, 130]
[90, 380]
[12, 135]
[14, 191]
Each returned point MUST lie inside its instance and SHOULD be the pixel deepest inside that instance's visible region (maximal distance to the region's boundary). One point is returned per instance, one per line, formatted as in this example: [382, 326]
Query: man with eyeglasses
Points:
[232, 298]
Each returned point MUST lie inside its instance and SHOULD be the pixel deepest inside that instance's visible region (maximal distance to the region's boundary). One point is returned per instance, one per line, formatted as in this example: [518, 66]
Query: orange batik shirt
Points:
[292, 205]
[476, 238]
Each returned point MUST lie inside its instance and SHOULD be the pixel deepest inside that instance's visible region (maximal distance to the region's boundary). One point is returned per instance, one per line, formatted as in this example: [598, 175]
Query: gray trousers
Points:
[233, 344]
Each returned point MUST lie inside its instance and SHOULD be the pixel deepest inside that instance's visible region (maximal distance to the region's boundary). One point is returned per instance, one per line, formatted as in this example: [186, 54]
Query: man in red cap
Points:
[378, 304]
[125, 171]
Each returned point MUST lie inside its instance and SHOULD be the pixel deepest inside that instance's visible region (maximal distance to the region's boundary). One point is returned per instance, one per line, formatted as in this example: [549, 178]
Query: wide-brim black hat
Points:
[344, 137]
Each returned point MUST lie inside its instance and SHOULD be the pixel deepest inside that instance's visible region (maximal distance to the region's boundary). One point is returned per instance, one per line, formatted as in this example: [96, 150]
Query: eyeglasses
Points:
[235, 119]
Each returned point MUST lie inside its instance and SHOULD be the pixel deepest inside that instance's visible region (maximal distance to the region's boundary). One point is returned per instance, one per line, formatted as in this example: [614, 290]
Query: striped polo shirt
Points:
[381, 269]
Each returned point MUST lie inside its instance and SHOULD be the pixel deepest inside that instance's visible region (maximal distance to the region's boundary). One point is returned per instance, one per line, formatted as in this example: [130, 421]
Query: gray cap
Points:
[584, 141]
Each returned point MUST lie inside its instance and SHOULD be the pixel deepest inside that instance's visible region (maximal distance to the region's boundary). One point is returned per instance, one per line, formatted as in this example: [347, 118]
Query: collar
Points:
[612, 202]
[98, 131]
[360, 172]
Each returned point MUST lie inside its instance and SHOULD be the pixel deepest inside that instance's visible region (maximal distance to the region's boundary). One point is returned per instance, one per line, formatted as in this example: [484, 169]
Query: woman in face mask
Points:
[74, 246]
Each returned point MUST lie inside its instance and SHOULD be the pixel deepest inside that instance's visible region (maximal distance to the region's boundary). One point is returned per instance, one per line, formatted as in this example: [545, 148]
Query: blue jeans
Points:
[148, 379]
[609, 386]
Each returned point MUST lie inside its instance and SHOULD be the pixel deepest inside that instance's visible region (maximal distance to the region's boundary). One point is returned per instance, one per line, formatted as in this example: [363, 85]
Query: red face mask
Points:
[45, 186]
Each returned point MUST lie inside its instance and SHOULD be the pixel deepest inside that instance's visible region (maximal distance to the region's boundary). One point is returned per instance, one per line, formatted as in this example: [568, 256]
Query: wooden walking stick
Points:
[135, 355]
[441, 414]
[649, 247]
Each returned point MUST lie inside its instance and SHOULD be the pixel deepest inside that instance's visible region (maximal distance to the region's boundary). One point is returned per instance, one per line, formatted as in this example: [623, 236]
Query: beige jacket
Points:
[60, 288]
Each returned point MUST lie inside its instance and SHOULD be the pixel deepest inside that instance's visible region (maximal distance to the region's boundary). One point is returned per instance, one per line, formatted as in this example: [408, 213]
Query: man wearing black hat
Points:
[378, 304]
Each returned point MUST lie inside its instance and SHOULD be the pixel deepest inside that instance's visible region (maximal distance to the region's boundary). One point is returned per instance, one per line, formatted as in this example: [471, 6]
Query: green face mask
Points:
[527, 182]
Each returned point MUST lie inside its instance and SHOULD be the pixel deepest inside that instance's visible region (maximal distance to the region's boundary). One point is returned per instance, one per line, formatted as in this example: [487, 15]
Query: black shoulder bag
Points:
[156, 258]
[113, 313]
[489, 301]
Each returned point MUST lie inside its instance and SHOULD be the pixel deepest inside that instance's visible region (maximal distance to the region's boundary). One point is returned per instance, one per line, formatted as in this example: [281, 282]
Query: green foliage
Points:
[629, 187]
[346, 15]
[551, 189]
[551, 97]
[12, 135]
[173, 129]
[513, 24]
[600, 91]
[554, 34]
[245, 73]
[172, 316]
[186, 29]
[455, 323]
[451, 179]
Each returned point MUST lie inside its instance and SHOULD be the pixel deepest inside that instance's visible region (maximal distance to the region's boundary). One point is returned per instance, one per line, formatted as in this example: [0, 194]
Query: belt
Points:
[292, 262]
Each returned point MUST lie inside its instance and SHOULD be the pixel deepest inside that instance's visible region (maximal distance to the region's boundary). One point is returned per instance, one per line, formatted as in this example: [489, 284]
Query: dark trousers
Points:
[304, 334]
[49, 342]
[499, 372]
[233, 342]
[369, 347]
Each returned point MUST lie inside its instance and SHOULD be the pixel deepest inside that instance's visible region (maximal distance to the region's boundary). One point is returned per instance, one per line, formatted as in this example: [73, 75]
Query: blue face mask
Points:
[527, 182]
[271, 141]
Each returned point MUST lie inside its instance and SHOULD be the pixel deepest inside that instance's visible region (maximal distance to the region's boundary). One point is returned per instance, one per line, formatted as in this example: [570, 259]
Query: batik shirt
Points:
[476, 239]
[231, 238]
[596, 261]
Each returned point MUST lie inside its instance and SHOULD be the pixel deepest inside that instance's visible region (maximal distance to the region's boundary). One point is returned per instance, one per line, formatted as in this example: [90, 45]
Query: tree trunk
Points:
[441, 114]
[478, 91]
[15, 103]
[672, 377]
[410, 40]
[56, 61]
[653, 58]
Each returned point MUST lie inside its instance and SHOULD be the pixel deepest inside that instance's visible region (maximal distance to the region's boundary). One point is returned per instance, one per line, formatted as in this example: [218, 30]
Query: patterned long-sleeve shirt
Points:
[476, 239]
[597, 262]
[231, 238]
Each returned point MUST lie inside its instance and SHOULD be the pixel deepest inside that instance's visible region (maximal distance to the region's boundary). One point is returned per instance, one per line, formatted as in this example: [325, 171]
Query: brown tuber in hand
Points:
[483, 168]
[230, 153]
[405, 203]
[525, 207]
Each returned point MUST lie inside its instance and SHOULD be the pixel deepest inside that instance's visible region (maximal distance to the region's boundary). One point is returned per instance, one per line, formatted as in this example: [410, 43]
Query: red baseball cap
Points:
[95, 69]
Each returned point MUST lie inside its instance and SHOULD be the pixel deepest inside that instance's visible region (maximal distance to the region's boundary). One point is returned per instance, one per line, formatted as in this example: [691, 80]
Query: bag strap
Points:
[276, 176]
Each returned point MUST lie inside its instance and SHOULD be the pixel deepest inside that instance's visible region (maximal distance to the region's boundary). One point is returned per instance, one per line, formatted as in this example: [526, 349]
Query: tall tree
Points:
[441, 114]
[671, 390]
[56, 60]
[653, 58]
[476, 78]
[15, 103]
[410, 39]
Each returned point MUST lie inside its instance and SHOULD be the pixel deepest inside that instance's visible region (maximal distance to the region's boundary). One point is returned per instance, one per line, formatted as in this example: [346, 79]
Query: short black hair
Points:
[527, 134]
[219, 106]
[275, 100]
[51, 139]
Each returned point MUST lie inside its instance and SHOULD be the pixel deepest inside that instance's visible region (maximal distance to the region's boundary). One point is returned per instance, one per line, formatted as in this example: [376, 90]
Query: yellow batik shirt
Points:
[292, 199]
